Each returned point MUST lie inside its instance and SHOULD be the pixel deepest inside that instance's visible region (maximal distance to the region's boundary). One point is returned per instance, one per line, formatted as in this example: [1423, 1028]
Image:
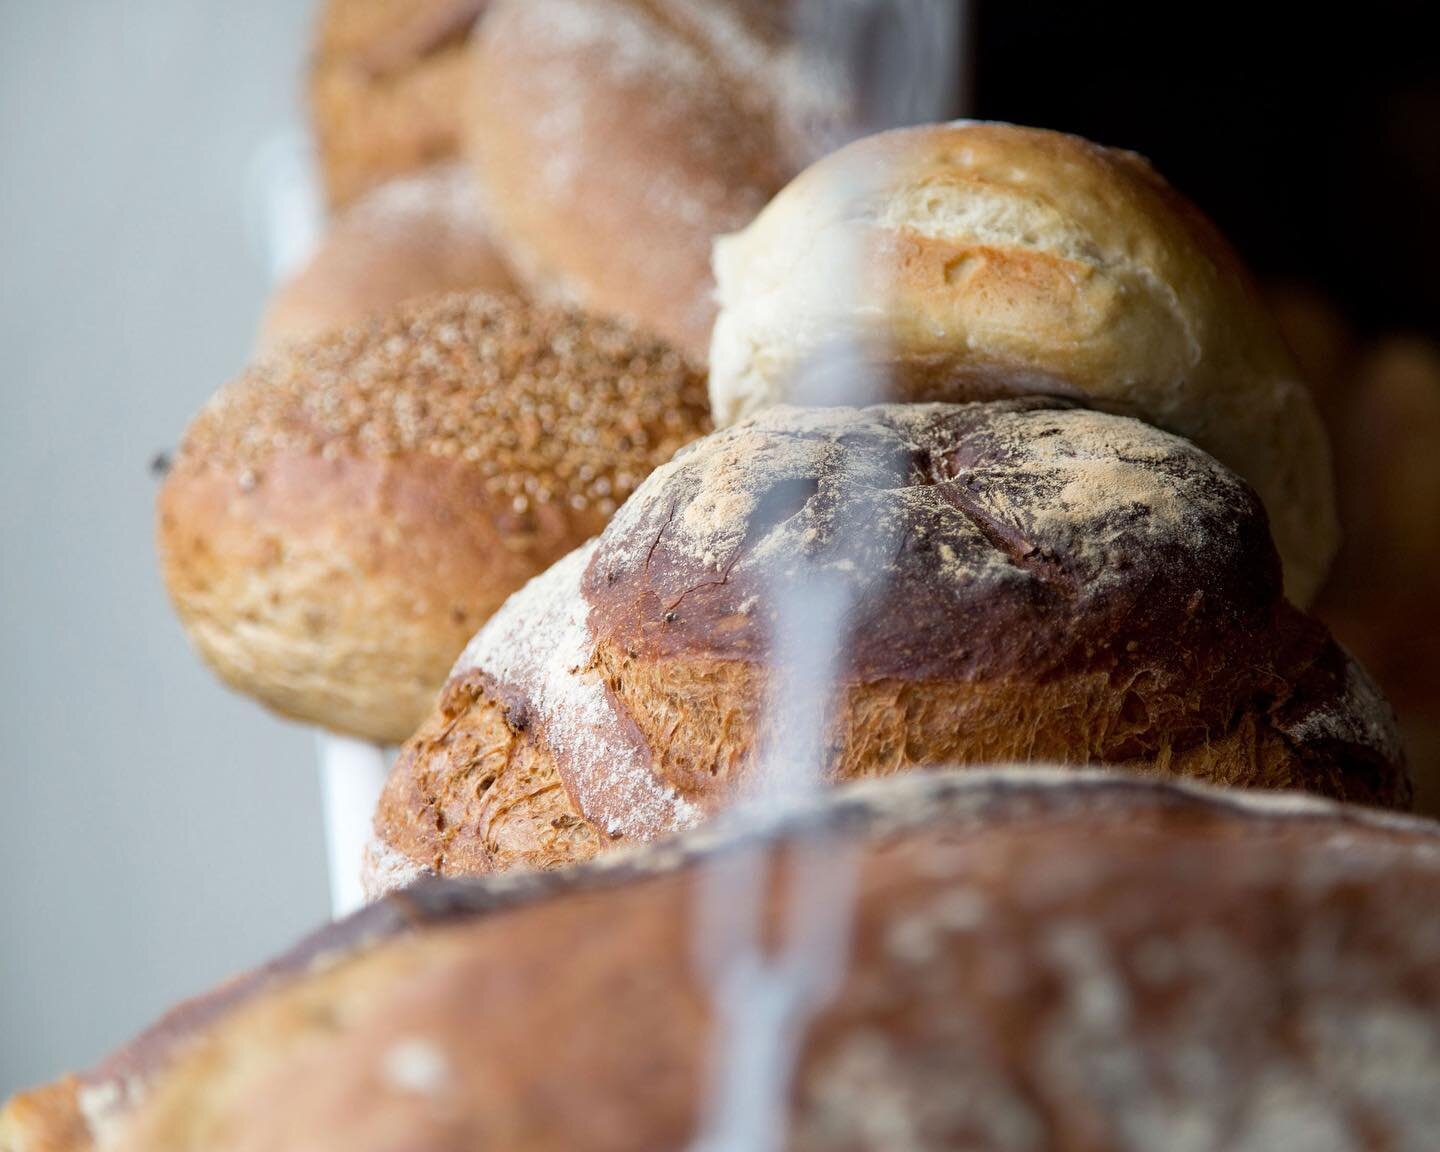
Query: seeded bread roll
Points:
[341, 519]
[1037, 960]
[981, 260]
[387, 87]
[616, 138]
[420, 235]
[1030, 582]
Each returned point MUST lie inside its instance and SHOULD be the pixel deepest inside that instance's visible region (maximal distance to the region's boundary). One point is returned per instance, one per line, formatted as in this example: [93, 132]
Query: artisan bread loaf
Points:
[1046, 960]
[1028, 581]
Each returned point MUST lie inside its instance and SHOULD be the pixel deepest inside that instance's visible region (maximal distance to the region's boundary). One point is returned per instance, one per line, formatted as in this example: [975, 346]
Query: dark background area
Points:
[1312, 140]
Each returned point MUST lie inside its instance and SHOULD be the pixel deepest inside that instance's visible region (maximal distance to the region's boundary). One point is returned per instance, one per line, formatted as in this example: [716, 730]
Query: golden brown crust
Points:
[478, 796]
[46, 1119]
[994, 257]
[1033, 583]
[1239, 973]
[387, 84]
[344, 516]
[617, 137]
[420, 235]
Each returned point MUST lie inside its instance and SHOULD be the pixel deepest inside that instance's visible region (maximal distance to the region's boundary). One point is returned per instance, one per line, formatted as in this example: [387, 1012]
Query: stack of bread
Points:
[498, 525]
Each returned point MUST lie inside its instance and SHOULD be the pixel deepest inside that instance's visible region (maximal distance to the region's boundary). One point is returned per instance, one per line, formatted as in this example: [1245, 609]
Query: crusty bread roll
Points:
[341, 519]
[387, 86]
[618, 137]
[1039, 960]
[996, 260]
[418, 235]
[1032, 582]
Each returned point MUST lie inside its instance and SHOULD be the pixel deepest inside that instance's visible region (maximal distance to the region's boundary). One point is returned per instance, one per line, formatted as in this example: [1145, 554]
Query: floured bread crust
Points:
[1039, 959]
[617, 138]
[1033, 582]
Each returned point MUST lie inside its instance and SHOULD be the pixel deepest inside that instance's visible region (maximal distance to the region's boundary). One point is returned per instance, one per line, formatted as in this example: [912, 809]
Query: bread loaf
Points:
[616, 138]
[1031, 581]
[340, 520]
[418, 235]
[1048, 960]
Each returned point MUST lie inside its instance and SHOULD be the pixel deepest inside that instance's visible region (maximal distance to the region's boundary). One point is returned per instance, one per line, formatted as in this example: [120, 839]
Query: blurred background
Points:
[158, 833]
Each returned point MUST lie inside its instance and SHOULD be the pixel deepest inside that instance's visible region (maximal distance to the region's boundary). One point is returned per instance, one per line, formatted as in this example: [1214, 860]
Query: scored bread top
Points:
[1029, 581]
[978, 538]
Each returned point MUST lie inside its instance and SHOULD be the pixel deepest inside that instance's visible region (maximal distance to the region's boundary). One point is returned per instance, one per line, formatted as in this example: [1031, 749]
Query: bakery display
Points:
[1033, 581]
[846, 605]
[418, 235]
[616, 138]
[996, 260]
[340, 519]
[387, 85]
[1043, 960]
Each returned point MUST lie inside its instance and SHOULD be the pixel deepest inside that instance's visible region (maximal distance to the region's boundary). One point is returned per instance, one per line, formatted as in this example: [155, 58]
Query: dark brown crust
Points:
[1238, 891]
[1126, 632]
[981, 492]
[1034, 583]
[340, 520]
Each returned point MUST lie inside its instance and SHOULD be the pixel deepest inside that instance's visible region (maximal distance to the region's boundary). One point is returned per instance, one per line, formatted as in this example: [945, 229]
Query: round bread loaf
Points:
[618, 137]
[387, 85]
[419, 235]
[995, 260]
[1039, 960]
[341, 519]
[1031, 582]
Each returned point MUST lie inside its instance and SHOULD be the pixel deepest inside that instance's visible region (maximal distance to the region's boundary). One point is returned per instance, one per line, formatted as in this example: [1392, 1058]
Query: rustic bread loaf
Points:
[1031, 581]
[1048, 960]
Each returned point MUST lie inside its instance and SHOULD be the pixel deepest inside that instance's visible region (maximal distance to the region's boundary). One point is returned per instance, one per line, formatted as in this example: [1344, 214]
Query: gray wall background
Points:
[156, 833]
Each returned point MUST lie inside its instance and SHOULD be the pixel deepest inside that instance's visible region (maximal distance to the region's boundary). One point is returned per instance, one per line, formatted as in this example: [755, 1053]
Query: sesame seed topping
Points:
[548, 404]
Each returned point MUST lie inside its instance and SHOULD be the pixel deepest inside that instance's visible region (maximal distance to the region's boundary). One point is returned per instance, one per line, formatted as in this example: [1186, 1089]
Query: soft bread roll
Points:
[1031, 582]
[416, 236]
[996, 260]
[387, 86]
[616, 138]
[1039, 960]
[341, 519]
